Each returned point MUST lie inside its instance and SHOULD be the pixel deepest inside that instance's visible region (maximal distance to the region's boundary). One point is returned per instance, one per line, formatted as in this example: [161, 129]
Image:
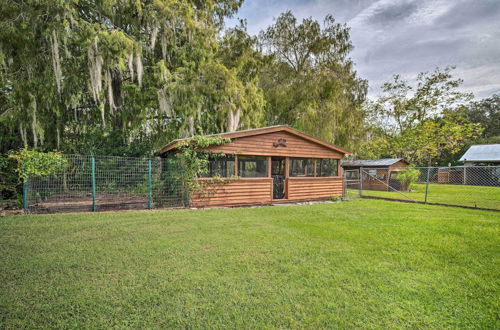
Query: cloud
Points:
[406, 36]
[393, 14]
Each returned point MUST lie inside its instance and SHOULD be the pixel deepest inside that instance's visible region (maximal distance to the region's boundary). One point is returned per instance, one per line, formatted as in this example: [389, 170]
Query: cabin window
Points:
[301, 167]
[310, 167]
[252, 166]
[327, 167]
[220, 167]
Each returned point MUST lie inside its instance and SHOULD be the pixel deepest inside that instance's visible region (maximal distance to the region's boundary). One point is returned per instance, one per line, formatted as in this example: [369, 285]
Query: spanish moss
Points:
[56, 60]
[95, 60]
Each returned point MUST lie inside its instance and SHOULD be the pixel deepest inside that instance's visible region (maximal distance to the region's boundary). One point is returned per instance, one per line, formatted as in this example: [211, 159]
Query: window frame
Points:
[249, 158]
[316, 168]
[319, 165]
[221, 160]
[306, 173]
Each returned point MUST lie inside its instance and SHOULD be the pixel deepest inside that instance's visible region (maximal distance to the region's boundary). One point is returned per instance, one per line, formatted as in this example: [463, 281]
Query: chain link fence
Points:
[86, 183]
[466, 186]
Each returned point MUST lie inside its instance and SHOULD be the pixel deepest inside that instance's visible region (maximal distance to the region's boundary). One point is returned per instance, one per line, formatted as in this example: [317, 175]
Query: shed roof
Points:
[373, 162]
[482, 153]
[258, 131]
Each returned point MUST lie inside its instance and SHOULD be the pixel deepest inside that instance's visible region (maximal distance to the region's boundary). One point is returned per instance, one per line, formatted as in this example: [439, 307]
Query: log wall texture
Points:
[243, 191]
[314, 188]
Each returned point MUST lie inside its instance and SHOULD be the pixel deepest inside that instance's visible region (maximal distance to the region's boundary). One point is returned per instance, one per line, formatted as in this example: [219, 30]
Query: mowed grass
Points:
[363, 263]
[465, 195]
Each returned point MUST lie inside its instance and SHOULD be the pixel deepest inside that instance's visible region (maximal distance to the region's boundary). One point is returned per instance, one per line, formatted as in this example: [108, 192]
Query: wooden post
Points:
[269, 165]
[287, 172]
[340, 173]
[235, 165]
[361, 181]
[287, 167]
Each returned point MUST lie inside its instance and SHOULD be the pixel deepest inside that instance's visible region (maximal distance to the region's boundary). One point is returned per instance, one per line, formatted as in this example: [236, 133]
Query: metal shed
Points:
[482, 154]
[378, 174]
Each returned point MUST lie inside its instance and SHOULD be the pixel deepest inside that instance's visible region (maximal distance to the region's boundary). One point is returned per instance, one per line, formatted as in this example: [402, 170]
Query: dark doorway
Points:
[278, 175]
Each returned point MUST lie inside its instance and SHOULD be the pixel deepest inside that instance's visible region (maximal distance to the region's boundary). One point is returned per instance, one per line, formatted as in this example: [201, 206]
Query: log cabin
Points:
[268, 165]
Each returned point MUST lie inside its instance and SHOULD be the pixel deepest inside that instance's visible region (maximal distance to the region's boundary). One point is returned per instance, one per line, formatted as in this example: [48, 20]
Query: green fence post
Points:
[427, 183]
[150, 185]
[94, 206]
[25, 196]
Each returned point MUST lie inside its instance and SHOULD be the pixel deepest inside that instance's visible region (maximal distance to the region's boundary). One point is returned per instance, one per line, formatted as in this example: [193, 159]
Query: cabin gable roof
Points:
[263, 131]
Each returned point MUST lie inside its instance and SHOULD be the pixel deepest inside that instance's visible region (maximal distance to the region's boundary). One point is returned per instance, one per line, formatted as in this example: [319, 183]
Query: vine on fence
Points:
[195, 159]
[35, 163]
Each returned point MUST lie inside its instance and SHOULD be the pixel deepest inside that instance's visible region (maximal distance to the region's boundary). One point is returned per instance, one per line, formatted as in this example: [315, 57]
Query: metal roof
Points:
[482, 153]
[372, 162]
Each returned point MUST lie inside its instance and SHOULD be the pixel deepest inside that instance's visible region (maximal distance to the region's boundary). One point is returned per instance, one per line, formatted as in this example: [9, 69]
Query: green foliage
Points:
[194, 159]
[407, 177]
[126, 77]
[421, 123]
[74, 73]
[310, 79]
[485, 112]
[335, 198]
[35, 163]
[9, 182]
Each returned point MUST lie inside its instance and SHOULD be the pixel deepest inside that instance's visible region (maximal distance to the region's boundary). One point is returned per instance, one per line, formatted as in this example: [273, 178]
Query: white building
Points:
[482, 154]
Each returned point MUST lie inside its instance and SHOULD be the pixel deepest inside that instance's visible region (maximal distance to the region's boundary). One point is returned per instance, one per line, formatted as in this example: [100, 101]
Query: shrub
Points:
[31, 162]
[407, 177]
[9, 183]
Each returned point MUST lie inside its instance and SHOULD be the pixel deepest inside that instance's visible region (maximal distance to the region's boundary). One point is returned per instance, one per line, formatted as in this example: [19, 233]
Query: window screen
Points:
[252, 166]
[327, 167]
[220, 167]
[374, 174]
[301, 167]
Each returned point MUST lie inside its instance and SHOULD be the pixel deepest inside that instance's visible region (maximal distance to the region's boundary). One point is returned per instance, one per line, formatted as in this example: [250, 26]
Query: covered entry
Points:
[278, 175]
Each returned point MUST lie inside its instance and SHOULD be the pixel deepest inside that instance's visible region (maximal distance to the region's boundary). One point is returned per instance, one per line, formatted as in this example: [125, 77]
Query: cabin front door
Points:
[278, 175]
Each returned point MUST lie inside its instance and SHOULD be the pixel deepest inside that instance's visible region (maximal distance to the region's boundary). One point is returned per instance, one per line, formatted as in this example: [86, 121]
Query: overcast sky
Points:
[405, 36]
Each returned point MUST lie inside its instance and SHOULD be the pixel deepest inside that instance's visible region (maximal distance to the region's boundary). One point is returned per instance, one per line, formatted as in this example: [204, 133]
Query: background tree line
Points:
[429, 122]
[126, 77]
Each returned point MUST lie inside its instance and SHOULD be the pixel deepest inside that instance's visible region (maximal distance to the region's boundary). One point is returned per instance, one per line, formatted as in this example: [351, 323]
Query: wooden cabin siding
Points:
[243, 191]
[398, 164]
[372, 184]
[314, 188]
[276, 141]
[263, 145]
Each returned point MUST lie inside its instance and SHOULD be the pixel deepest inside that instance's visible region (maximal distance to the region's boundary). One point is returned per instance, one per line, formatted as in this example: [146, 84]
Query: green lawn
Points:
[475, 196]
[363, 263]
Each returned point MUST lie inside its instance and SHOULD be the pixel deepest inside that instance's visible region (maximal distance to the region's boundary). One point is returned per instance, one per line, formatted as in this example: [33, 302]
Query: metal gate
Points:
[352, 186]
